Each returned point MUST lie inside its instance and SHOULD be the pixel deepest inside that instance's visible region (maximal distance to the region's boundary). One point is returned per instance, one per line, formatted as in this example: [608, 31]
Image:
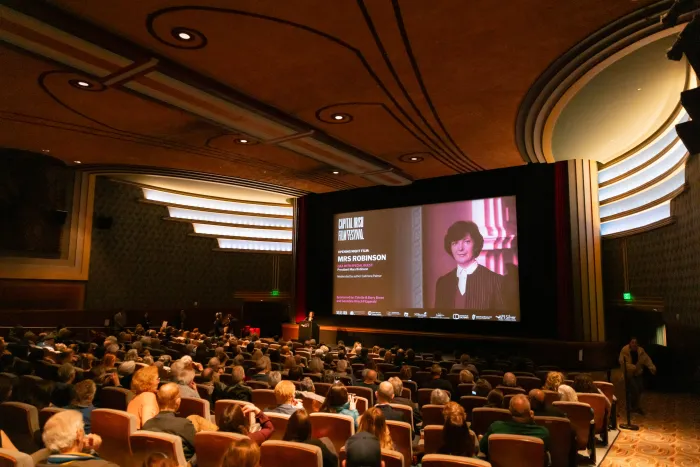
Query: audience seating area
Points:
[34, 367]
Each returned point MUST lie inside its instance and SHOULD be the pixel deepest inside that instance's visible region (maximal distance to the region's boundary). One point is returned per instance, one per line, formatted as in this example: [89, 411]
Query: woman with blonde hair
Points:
[555, 382]
[145, 385]
[373, 421]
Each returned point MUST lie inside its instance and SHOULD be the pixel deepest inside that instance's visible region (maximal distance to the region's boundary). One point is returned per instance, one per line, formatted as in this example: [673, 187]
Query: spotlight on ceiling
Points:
[83, 84]
[184, 36]
[77, 162]
[413, 158]
[341, 118]
[336, 172]
[46, 151]
[244, 140]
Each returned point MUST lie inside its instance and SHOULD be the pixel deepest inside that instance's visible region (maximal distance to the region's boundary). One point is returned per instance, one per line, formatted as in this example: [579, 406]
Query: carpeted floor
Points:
[669, 434]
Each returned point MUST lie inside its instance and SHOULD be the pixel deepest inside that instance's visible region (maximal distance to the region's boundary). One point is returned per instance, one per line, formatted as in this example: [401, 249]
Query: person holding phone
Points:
[339, 401]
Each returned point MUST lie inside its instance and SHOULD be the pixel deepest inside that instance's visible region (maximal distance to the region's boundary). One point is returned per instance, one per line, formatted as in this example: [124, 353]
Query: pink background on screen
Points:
[497, 223]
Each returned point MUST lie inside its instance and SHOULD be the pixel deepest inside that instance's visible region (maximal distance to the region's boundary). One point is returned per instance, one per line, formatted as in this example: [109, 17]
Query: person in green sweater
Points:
[522, 424]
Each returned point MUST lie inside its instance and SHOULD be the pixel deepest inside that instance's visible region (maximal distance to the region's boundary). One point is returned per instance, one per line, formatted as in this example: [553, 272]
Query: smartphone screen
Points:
[473, 393]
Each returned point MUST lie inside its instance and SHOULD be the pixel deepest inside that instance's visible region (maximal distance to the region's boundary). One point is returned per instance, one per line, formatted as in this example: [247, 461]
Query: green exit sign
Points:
[627, 296]
[275, 293]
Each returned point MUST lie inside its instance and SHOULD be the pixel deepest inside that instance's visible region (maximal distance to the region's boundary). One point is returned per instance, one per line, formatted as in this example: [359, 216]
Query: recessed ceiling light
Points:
[84, 84]
[184, 36]
[639, 89]
[46, 150]
[341, 118]
[337, 117]
[77, 162]
[244, 141]
[414, 158]
[335, 172]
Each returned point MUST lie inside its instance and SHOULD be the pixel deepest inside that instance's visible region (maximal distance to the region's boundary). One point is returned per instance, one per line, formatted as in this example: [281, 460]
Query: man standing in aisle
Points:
[633, 359]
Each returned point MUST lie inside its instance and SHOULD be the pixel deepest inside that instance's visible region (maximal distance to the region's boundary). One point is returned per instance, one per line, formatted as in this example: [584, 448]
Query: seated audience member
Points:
[262, 369]
[384, 396]
[63, 390]
[37, 394]
[145, 385]
[315, 366]
[215, 364]
[457, 438]
[539, 406]
[5, 442]
[465, 377]
[567, 393]
[510, 381]
[397, 384]
[159, 459]
[373, 421]
[242, 453]
[553, 381]
[166, 422]
[363, 357]
[521, 424]
[236, 419]
[65, 438]
[308, 391]
[83, 395]
[583, 383]
[363, 450]
[284, 394]
[126, 372]
[482, 388]
[256, 355]
[183, 375]
[5, 390]
[369, 379]
[439, 397]
[338, 401]
[299, 431]
[341, 369]
[289, 363]
[296, 373]
[405, 373]
[473, 370]
[239, 391]
[436, 382]
[462, 365]
[495, 399]
[274, 378]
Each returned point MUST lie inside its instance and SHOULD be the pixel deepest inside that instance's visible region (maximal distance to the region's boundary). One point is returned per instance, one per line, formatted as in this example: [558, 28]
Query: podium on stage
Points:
[309, 330]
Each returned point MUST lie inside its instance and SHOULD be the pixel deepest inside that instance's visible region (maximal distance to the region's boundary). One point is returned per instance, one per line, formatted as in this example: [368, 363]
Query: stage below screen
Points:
[588, 356]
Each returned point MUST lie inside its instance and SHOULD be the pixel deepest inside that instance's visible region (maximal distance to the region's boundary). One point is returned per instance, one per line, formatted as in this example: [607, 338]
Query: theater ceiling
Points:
[312, 95]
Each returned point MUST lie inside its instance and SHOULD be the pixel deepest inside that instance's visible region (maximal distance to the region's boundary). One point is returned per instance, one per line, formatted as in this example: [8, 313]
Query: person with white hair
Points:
[64, 436]
[126, 372]
[183, 375]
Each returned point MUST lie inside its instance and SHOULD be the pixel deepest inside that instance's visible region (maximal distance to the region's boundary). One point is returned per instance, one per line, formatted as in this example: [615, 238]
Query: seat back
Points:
[362, 405]
[471, 402]
[212, 445]
[279, 421]
[257, 384]
[432, 436]
[494, 380]
[406, 411]
[508, 390]
[432, 414]
[322, 388]
[465, 389]
[551, 396]
[362, 392]
[192, 406]
[115, 427]
[145, 443]
[20, 422]
[606, 388]
[561, 440]
[510, 450]
[528, 383]
[421, 377]
[492, 372]
[276, 453]
[390, 458]
[442, 460]
[582, 421]
[10, 458]
[413, 386]
[453, 378]
[45, 414]
[221, 405]
[115, 398]
[336, 427]
[385, 367]
[406, 393]
[401, 436]
[205, 392]
[264, 398]
[483, 417]
[599, 404]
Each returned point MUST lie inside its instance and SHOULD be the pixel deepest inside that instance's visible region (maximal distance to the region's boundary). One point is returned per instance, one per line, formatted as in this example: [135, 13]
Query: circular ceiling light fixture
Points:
[86, 84]
[336, 172]
[413, 158]
[245, 140]
[185, 36]
[77, 162]
[341, 118]
[46, 151]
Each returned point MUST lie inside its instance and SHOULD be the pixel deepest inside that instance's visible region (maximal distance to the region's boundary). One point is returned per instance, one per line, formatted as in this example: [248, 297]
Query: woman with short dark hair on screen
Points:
[469, 286]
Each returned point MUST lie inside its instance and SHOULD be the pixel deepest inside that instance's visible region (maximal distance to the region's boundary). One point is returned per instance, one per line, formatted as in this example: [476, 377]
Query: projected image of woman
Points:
[469, 285]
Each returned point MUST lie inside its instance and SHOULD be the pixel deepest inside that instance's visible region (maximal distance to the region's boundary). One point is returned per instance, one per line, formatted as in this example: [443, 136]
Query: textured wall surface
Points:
[665, 263]
[144, 262]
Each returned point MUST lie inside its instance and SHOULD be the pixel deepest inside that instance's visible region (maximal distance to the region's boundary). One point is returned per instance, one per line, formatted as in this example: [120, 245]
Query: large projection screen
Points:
[443, 261]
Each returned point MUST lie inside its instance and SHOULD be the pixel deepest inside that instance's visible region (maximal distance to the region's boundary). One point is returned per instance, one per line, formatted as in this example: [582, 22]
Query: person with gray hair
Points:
[239, 391]
[439, 397]
[126, 372]
[308, 391]
[64, 436]
[132, 356]
[397, 384]
[183, 376]
[274, 378]
[523, 424]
